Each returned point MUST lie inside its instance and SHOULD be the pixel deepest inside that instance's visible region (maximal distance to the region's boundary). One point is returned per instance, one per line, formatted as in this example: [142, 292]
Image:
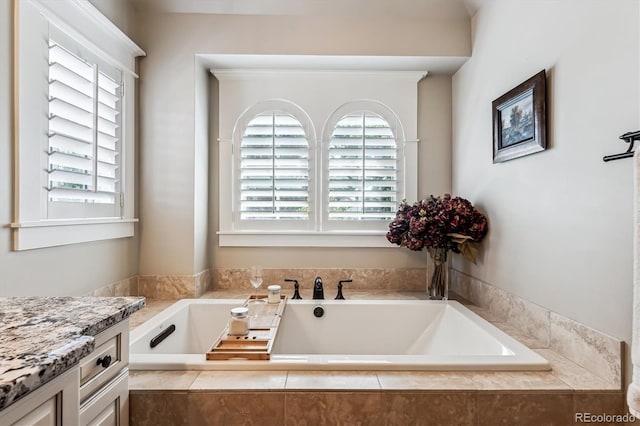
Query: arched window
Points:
[273, 166]
[363, 166]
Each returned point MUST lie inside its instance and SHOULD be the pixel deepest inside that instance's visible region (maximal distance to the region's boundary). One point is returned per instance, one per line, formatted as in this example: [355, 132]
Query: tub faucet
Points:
[318, 291]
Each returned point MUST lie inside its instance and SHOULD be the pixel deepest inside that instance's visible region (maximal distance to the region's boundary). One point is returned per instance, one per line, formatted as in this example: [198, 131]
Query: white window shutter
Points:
[363, 169]
[84, 136]
[274, 169]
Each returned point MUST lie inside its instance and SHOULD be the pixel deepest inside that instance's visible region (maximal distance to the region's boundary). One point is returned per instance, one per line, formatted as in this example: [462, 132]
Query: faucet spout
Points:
[318, 291]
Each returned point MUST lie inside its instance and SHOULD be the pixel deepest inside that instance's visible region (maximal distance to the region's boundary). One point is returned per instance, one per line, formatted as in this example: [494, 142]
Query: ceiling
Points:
[436, 9]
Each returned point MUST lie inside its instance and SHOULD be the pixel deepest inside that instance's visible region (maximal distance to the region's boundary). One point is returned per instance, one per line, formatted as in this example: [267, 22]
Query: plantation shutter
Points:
[274, 169]
[84, 137]
[363, 169]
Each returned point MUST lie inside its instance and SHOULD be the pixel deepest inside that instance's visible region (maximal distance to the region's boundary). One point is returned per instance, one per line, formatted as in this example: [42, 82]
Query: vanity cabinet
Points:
[52, 404]
[94, 392]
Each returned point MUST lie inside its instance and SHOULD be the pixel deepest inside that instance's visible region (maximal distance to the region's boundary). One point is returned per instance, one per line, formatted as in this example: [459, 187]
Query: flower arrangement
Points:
[439, 223]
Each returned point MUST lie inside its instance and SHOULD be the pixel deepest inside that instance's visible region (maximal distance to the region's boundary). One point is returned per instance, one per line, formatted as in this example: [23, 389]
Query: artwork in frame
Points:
[519, 120]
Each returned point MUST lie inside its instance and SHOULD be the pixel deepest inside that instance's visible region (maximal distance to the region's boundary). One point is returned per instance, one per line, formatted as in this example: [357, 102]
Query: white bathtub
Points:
[352, 335]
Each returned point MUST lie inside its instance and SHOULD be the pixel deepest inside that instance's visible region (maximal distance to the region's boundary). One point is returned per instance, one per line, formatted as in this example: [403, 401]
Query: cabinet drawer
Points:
[110, 406]
[102, 358]
[109, 357]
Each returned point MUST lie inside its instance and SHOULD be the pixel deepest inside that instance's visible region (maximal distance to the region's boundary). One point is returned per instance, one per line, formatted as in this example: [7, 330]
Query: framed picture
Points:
[519, 120]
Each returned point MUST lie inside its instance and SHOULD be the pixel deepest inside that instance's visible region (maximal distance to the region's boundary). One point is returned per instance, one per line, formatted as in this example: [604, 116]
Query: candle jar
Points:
[273, 294]
[239, 322]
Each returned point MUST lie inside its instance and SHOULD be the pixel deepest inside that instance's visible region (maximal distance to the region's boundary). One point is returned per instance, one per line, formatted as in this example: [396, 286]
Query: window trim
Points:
[398, 90]
[82, 22]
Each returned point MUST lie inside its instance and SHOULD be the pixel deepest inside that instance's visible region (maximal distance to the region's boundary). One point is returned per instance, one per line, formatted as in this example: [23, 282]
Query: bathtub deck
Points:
[370, 397]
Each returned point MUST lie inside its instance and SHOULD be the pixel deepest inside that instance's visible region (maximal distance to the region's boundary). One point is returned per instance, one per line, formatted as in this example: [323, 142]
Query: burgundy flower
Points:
[437, 222]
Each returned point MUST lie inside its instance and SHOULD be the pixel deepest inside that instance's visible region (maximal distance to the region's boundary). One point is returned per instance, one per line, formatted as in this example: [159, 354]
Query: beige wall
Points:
[120, 12]
[171, 148]
[434, 174]
[561, 220]
[69, 270]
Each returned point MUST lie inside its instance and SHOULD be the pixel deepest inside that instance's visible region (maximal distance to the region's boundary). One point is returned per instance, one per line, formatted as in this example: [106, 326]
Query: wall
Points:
[120, 12]
[68, 270]
[170, 163]
[561, 220]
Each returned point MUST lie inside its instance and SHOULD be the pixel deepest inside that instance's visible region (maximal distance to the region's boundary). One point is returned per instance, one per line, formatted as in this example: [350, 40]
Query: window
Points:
[75, 126]
[273, 187]
[364, 152]
[289, 189]
[84, 136]
[363, 169]
[274, 169]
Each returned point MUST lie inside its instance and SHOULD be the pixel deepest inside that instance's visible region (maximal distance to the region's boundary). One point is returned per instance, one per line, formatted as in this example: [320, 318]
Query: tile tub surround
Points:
[41, 337]
[474, 398]
[406, 279]
[540, 328]
[372, 398]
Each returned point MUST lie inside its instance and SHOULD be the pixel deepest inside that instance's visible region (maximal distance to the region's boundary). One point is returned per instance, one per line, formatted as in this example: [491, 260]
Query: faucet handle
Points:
[340, 296]
[296, 287]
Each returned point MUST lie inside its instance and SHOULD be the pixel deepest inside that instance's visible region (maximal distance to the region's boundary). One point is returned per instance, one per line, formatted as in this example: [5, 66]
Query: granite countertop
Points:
[41, 337]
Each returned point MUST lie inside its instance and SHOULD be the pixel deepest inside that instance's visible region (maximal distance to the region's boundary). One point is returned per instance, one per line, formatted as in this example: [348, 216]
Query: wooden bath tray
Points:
[264, 320]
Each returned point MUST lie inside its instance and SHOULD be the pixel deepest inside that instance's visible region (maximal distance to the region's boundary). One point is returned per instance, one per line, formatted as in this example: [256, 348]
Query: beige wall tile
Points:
[600, 403]
[237, 408]
[158, 408]
[161, 380]
[396, 380]
[133, 286]
[334, 380]
[333, 408]
[517, 380]
[430, 409]
[595, 351]
[530, 319]
[408, 279]
[166, 286]
[202, 283]
[572, 374]
[529, 339]
[152, 308]
[540, 328]
[522, 409]
[243, 380]
[104, 291]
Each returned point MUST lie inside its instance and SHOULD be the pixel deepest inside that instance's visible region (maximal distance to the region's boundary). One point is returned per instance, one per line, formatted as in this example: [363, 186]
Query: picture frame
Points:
[519, 120]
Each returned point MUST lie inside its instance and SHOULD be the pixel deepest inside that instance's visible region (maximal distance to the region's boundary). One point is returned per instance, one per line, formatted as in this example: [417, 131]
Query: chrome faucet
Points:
[318, 291]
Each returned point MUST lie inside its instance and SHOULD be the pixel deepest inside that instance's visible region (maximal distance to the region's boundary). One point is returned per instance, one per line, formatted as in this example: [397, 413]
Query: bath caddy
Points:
[262, 332]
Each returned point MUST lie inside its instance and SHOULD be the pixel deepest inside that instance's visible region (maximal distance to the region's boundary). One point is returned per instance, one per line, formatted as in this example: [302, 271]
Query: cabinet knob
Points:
[105, 361]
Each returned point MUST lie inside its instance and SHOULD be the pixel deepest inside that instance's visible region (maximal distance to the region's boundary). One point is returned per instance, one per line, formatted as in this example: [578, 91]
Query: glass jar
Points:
[274, 294]
[239, 322]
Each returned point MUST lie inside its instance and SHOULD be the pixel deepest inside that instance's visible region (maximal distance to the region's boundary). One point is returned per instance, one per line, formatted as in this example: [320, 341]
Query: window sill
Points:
[51, 233]
[303, 239]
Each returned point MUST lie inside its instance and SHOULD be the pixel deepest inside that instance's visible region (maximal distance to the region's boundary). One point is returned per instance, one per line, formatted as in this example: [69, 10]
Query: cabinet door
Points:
[110, 406]
[54, 403]
[47, 414]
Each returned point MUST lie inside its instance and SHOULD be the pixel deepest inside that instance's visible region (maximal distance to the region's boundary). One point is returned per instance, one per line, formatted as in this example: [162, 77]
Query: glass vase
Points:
[438, 284]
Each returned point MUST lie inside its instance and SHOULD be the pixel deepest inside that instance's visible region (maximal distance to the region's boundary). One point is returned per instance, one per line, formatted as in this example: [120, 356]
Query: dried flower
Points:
[439, 222]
